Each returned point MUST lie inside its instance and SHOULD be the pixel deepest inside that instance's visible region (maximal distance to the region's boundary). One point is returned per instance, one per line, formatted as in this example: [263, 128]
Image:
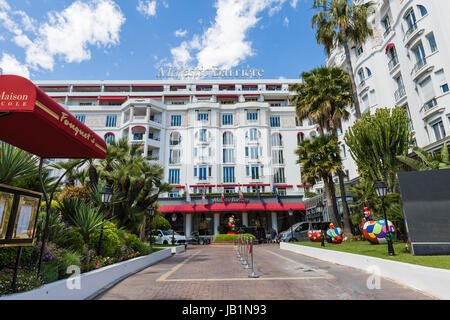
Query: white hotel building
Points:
[405, 63]
[212, 134]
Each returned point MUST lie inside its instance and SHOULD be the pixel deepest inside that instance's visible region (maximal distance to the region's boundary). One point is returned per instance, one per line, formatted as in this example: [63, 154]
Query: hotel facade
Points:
[218, 136]
[405, 63]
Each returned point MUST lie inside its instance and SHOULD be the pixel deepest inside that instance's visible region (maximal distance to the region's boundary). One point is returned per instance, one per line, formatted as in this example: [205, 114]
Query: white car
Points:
[165, 237]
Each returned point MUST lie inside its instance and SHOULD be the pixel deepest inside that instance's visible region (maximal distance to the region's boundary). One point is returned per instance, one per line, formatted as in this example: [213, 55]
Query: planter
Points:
[93, 282]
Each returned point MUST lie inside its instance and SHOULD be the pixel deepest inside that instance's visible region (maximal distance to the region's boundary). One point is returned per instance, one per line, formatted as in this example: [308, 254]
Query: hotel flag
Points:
[241, 195]
[204, 194]
[223, 197]
[188, 194]
[276, 193]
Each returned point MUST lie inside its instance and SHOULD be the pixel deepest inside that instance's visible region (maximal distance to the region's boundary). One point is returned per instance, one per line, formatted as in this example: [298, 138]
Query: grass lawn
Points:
[381, 251]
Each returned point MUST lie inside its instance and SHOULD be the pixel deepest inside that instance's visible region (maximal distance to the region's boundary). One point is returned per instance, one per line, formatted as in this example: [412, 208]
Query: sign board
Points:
[426, 207]
[19, 209]
[214, 72]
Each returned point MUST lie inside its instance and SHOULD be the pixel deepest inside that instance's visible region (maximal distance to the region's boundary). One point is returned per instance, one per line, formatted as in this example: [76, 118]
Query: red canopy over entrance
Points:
[32, 121]
[218, 207]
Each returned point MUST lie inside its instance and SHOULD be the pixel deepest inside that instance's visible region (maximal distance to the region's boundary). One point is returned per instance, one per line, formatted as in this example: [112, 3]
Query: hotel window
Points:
[278, 176]
[281, 191]
[410, 125]
[438, 128]
[300, 137]
[174, 194]
[246, 151]
[203, 116]
[410, 19]
[203, 135]
[175, 121]
[204, 153]
[275, 121]
[175, 138]
[254, 153]
[174, 176]
[138, 136]
[252, 116]
[227, 119]
[174, 156]
[297, 123]
[109, 137]
[229, 190]
[361, 74]
[386, 25]
[227, 138]
[255, 172]
[423, 10]
[81, 118]
[441, 80]
[344, 151]
[432, 42]
[253, 133]
[204, 172]
[228, 155]
[275, 104]
[277, 157]
[228, 175]
[277, 140]
[359, 51]
[111, 120]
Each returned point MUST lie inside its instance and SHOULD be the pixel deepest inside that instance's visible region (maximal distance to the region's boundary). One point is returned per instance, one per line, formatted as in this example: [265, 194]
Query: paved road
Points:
[214, 273]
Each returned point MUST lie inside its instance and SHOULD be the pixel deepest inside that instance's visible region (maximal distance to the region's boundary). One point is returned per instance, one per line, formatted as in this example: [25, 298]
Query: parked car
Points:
[165, 237]
[258, 232]
[299, 231]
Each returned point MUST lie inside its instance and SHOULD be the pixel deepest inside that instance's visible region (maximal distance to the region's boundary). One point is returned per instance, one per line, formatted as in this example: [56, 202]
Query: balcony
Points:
[419, 65]
[387, 31]
[399, 94]
[410, 31]
[393, 63]
[430, 105]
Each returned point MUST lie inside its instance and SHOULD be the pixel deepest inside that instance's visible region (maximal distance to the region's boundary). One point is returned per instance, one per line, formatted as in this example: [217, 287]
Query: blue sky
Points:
[131, 39]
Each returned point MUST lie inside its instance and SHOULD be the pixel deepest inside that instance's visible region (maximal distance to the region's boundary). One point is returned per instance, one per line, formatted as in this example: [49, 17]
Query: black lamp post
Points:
[381, 190]
[291, 213]
[174, 218]
[319, 209]
[152, 213]
[106, 199]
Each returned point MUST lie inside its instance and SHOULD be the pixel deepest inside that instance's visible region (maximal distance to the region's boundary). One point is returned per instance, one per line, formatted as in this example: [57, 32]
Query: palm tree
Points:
[16, 164]
[322, 97]
[429, 162]
[339, 23]
[320, 158]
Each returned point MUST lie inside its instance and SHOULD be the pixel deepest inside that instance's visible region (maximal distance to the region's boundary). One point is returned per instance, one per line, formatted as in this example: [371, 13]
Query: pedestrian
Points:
[273, 235]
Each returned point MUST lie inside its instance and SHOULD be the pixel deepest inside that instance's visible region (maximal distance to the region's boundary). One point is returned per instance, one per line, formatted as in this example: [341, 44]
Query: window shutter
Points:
[427, 89]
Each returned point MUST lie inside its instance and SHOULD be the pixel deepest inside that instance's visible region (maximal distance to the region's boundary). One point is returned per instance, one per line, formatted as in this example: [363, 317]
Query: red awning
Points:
[218, 207]
[390, 45]
[112, 98]
[32, 121]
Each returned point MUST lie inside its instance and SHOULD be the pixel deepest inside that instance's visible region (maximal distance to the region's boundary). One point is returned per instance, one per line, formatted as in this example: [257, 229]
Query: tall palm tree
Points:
[320, 158]
[341, 23]
[16, 164]
[323, 96]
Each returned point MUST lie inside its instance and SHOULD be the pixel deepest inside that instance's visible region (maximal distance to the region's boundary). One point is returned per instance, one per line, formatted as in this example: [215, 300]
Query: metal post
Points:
[16, 269]
[247, 266]
[244, 262]
[322, 238]
[238, 254]
[151, 248]
[253, 274]
[388, 234]
[242, 253]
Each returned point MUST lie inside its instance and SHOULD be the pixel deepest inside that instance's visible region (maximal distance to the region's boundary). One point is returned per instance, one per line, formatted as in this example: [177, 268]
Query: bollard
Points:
[238, 255]
[247, 265]
[244, 262]
[253, 274]
[242, 253]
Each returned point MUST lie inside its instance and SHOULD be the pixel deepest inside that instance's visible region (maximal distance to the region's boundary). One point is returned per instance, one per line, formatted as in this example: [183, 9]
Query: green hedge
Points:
[231, 237]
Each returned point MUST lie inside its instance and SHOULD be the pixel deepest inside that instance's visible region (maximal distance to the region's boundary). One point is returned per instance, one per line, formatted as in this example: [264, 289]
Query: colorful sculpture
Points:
[232, 225]
[375, 230]
[315, 235]
[335, 234]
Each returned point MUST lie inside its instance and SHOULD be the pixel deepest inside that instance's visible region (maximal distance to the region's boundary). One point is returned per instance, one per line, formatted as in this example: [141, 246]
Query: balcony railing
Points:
[419, 65]
[399, 93]
[393, 63]
[430, 105]
[411, 29]
[362, 83]
[387, 31]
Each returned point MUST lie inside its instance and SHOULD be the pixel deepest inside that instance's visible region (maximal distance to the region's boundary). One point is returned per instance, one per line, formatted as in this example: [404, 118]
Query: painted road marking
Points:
[323, 273]
[178, 266]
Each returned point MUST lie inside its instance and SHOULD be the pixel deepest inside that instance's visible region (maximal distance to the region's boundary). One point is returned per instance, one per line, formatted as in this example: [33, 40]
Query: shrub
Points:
[73, 241]
[68, 259]
[8, 256]
[232, 237]
[26, 280]
[159, 222]
[132, 241]
[111, 241]
[75, 192]
[49, 272]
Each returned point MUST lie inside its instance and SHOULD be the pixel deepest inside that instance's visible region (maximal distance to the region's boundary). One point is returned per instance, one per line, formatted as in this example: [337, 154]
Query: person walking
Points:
[273, 235]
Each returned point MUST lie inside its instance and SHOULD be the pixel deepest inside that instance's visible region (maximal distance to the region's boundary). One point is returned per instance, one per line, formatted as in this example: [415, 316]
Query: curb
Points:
[433, 281]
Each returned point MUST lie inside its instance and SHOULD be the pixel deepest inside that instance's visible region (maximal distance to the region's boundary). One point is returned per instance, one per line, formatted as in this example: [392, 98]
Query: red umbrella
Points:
[32, 121]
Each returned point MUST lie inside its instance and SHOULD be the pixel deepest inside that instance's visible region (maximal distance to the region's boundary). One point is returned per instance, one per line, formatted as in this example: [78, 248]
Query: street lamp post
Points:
[291, 213]
[381, 190]
[319, 209]
[152, 213]
[174, 218]
[106, 199]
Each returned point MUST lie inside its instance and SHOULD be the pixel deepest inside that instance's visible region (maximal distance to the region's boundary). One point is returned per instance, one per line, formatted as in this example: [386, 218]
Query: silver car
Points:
[299, 231]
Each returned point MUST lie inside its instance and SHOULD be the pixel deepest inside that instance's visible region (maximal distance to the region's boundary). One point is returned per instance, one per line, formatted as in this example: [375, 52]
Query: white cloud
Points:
[165, 4]
[224, 43]
[11, 65]
[286, 22]
[293, 3]
[2, 38]
[180, 33]
[147, 7]
[68, 33]
[4, 5]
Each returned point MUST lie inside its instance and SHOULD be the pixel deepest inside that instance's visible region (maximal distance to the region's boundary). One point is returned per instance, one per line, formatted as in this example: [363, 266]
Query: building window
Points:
[410, 19]
[386, 25]
[175, 138]
[300, 137]
[438, 128]
[174, 156]
[277, 157]
[361, 74]
[252, 116]
[278, 176]
[423, 10]
[359, 51]
[229, 190]
[109, 137]
[254, 134]
[444, 88]
[255, 172]
[202, 173]
[174, 176]
[254, 153]
[432, 42]
[274, 121]
[174, 194]
[228, 176]
[227, 119]
[138, 136]
[227, 138]
[246, 151]
[175, 121]
[277, 140]
[203, 116]
[111, 120]
[203, 136]
[343, 151]
[228, 155]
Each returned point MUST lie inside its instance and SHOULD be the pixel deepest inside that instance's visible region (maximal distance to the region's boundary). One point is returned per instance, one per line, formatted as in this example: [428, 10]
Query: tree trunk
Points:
[338, 223]
[352, 78]
[142, 234]
[345, 212]
[331, 211]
